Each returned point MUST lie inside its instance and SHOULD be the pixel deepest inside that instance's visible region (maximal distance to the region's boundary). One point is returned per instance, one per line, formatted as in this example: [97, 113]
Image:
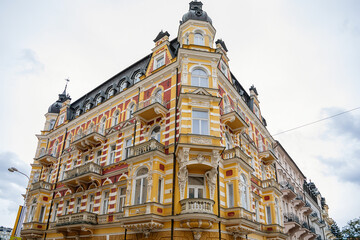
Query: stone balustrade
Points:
[197, 205]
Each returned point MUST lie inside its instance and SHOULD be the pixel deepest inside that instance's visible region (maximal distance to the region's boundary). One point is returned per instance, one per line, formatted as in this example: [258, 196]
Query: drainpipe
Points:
[56, 180]
[135, 118]
[174, 158]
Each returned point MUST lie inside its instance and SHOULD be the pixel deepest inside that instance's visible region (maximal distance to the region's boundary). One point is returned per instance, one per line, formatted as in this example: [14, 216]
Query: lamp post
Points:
[18, 226]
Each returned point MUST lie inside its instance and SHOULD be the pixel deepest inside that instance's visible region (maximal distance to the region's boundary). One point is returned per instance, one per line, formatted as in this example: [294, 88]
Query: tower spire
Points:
[67, 81]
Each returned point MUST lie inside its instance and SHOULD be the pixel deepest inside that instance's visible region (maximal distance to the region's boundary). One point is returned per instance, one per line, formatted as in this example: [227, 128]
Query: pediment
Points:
[201, 91]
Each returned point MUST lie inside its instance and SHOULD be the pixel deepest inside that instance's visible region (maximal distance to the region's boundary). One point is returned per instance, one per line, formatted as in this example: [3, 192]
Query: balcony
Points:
[197, 205]
[47, 159]
[201, 142]
[151, 108]
[83, 174]
[149, 146]
[76, 222]
[235, 119]
[91, 139]
[314, 217]
[110, 218]
[267, 155]
[238, 213]
[33, 230]
[307, 208]
[273, 231]
[287, 190]
[239, 155]
[291, 222]
[271, 185]
[41, 185]
[299, 201]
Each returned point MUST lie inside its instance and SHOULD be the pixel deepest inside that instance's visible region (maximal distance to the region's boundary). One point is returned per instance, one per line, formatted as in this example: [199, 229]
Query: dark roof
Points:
[196, 13]
[161, 35]
[56, 106]
[222, 43]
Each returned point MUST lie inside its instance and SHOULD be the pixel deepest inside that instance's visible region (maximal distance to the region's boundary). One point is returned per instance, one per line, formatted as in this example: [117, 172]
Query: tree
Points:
[352, 229]
[336, 231]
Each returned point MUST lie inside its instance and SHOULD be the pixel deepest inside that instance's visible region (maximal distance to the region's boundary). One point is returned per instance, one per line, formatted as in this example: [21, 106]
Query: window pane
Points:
[200, 114]
[191, 193]
[200, 193]
[199, 181]
[204, 127]
[144, 190]
[196, 126]
[137, 191]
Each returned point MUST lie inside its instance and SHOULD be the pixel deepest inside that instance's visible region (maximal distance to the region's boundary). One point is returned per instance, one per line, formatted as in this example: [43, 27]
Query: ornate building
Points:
[172, 147]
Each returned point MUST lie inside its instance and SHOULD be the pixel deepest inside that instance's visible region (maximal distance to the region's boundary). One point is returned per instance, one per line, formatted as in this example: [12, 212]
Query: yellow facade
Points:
[180, 153]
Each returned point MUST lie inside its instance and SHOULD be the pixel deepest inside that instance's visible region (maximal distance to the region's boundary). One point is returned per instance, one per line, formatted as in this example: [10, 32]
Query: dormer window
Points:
[123, 86]
[61, 120]
[110, 93]
[199, 39]
[159, 61]
[224, 68]
[88, 106]
[137, 78]
[52, 123]
[78, 112]
[98, 100]
[256, 111]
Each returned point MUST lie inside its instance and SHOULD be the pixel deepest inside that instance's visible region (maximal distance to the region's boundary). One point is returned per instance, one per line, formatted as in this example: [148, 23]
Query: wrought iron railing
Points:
[291, 217]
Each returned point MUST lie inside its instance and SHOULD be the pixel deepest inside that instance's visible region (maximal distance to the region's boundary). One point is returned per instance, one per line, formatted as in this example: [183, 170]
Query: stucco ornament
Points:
[183, 172]
[211, 181]
[149, 186]
[215, 159]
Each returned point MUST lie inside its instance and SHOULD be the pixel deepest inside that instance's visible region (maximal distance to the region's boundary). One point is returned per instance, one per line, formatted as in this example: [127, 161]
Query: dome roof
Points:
[56, 106]
[196, 13]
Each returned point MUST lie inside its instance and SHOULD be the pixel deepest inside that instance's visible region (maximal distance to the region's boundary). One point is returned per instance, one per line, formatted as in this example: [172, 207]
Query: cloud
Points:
[345, 130]
[28, 63]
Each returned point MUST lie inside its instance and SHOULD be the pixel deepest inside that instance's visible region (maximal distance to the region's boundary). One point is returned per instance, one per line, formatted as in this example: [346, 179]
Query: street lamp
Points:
[16, 231]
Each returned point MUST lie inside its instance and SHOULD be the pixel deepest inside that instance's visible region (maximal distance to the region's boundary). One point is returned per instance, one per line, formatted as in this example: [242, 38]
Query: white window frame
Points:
[121, 199]
[77, 205]
[160, 196]
[257, 217]
[244, 192]
[98, 157]
[110, 93]
[116, 117]
[223, 68]
[90, 203]
[160, 56]
[230, 199]
[112, 153]
[98, 100]
[196, 187]
[61, 119]
[126, 147]
[199, 40]
[156, 136]
[137, 78]
[66, 207]
[105, 202]
[200, 121]
[197, 79]
[268, 214]
[56, 206]
[123, 86]
[143, 187]
[42, 214]
[130, 111]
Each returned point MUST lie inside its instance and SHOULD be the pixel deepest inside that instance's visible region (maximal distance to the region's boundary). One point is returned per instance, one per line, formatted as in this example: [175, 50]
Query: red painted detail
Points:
[159, 210]
[162, 167]
[266, 198]
[112, 206]
[45, 198]
[38, 226]
[231, 214]
[229, 173]
[111, 218]
[269, 229]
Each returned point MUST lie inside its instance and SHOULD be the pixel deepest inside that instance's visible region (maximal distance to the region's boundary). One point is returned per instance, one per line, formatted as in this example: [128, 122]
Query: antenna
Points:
[67, 81]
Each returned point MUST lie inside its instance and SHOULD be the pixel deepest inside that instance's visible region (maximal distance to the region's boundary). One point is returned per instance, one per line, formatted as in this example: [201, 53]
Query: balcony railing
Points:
[47, 159]
[236, 152]
[151, 108]
[197, 205]
[270, 183]
[291, 217]
[90, 138]
[145, 147]
[41, 185]
[267, 154]
[77, 218]
[109, 218]
[82, 170]
[234, 118]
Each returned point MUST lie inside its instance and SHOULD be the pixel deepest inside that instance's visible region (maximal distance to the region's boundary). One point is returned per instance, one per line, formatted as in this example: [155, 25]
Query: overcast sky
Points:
[302, 56]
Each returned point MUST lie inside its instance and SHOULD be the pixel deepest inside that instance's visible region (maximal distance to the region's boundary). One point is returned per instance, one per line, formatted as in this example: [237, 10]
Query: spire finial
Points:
[67, 81]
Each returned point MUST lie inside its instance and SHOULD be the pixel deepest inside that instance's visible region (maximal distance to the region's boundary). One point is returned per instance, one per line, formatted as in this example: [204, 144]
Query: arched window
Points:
[88, 106]
[227, 107]
[62, 174]
[49, 175]
[228, 141]
[54, 149]
[42, 152]
[36, 177]
[244, 192]
[263, 172]
[131, 111]
[32, 211]
[199, 78]
[155, 134]
[79, 134]
[90, 128]
[78, 112]
[277, 211]
[123, 85]
[137, 78]
[198, 39]
[110, 93]
[102, 126]
[116, 118]
[98, 100]
[141, 186]
[157, 96]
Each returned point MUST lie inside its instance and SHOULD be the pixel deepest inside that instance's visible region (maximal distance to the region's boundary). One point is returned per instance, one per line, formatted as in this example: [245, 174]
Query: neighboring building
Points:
[5, 233]
[171, 147]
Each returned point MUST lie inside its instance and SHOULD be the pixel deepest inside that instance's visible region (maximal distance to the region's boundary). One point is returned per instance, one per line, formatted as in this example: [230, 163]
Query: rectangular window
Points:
[62, 175]
[42, 214]
[66, 209]
[31, 213]
[196, 187]
[257, 210]
[128, 144]
[160, 190]
[230, 196]
[122, 197]
[91, 203]
[56, 206]
[112, 154]
[61, 120]
[78, 205]
[105, 204]
[160, 61]
[200, 122]
[268, 214]
[98, 157]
